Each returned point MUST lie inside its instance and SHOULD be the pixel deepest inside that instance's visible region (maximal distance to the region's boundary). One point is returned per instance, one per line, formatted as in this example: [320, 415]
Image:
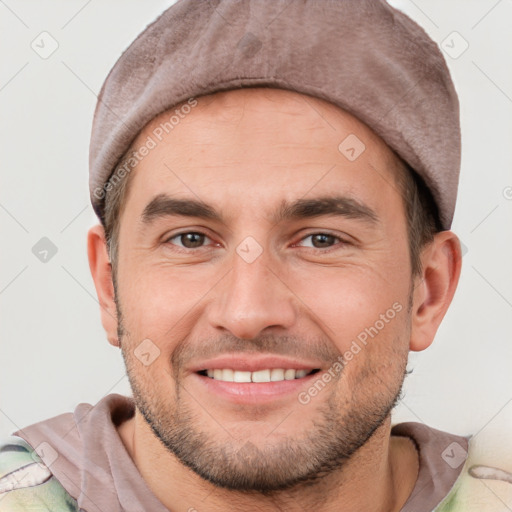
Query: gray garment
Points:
[89, 459]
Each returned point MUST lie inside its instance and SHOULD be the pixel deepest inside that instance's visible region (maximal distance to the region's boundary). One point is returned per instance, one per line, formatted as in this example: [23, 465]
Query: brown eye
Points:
[188, 240]
[321, 240]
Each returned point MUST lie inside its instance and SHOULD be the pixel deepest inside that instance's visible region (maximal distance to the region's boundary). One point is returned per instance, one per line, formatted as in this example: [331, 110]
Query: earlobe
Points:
[101, 272]
[434, 288]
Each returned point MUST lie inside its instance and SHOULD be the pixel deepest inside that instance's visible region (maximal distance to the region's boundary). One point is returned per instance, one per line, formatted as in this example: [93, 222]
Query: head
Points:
[296, 252]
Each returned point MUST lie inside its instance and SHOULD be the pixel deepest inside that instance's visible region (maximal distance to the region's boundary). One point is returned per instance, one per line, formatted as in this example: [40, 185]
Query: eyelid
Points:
[168, 238]
[341, 241]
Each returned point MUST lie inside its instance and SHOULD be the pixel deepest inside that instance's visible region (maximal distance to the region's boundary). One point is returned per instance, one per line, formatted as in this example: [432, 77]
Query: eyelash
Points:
[327, 250]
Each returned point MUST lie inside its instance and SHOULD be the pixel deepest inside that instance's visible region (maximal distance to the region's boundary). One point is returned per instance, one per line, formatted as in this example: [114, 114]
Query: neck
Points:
[380, 476]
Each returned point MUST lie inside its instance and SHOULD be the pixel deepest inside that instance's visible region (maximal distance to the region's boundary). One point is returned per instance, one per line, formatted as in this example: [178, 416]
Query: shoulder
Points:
[485, 482]
[26, 483]
[473, 473]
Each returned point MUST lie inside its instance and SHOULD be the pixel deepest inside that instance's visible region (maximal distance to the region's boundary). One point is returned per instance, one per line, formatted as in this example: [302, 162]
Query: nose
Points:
[251, 298]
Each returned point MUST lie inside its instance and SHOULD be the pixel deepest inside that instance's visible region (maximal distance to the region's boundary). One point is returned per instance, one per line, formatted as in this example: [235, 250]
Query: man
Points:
[274, 239]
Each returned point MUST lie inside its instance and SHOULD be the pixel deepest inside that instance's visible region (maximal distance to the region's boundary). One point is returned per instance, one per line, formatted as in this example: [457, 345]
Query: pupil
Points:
[188, 240]
[323, 238]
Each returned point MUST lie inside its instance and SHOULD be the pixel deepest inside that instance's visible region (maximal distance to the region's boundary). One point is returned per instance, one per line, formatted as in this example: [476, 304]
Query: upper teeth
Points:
[273, 375]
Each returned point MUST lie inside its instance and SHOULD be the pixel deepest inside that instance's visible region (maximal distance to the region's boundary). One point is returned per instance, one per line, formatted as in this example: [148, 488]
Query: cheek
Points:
[161, 303]
[354, 306]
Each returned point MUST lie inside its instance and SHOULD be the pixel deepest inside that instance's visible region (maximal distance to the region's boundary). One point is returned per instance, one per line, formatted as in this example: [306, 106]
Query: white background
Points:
[53, 351]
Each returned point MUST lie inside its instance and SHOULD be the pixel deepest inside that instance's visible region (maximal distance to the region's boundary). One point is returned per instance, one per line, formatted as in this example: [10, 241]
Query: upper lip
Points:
[254, 363]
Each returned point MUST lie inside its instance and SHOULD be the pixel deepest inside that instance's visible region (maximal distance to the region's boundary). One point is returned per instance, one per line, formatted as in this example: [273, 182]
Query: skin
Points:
[295, 299]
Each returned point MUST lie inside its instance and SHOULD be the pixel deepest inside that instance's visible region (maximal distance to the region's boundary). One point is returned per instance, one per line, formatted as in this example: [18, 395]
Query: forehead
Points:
[261, 138]
[245, 109]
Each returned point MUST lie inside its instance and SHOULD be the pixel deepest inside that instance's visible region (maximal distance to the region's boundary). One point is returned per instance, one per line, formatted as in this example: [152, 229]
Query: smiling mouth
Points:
[267, 375]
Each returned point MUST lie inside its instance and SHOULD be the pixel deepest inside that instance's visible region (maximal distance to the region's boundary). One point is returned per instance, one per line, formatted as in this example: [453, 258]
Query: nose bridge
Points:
[252, 296]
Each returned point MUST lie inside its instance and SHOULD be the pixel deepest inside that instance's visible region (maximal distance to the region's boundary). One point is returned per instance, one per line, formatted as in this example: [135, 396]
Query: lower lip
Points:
[254, 392]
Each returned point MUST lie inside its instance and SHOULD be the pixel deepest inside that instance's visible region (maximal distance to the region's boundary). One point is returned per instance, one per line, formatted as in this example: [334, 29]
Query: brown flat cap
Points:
[361, 55]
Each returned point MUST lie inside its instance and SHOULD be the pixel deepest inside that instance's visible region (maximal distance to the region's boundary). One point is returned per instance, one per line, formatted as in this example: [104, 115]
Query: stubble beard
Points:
[340, 428]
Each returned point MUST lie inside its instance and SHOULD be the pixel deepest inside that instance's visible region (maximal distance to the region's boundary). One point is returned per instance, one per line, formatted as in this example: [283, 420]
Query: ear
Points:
[101, 271]
[434, 288]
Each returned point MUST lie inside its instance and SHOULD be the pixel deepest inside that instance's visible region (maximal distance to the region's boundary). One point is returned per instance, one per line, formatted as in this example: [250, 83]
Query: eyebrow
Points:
[163, 205]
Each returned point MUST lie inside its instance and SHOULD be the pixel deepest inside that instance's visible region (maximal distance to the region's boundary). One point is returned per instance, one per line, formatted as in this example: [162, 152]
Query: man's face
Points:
[254, 290]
